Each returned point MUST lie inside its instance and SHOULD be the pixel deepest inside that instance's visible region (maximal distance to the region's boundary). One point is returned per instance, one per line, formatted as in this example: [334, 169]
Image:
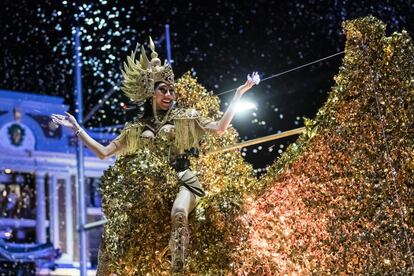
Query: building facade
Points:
[38, 177]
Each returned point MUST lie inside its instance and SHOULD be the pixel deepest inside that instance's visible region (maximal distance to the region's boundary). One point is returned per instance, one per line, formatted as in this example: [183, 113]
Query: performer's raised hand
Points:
[66, 120]
[250, 82]
[221, 126]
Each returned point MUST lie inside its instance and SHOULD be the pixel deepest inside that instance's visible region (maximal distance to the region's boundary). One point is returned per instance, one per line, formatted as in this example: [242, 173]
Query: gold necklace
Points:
[154, 110]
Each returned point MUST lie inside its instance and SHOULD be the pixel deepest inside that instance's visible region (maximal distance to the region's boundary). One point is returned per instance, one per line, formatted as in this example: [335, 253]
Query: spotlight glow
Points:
[244, 106]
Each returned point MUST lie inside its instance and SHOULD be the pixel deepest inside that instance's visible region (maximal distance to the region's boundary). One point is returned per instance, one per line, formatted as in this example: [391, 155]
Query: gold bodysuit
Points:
[143, 179]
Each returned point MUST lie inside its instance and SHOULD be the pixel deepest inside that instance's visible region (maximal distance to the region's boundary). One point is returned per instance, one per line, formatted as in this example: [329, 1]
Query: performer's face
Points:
[164, 95]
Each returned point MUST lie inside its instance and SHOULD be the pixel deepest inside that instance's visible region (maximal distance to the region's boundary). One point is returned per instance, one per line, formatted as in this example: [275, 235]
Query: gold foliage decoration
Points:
[341, 199]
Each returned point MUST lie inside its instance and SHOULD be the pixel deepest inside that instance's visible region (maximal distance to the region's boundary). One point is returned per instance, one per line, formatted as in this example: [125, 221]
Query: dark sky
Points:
[219, 41]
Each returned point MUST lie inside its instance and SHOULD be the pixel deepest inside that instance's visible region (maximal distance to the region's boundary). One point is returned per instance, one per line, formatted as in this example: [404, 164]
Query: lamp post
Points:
[80, 156]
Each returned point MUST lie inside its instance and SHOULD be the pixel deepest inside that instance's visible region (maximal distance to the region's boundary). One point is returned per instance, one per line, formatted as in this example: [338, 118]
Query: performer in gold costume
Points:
[165, 128]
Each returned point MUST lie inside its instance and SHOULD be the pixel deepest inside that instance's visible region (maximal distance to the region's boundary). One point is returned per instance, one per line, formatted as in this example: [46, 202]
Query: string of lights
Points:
[389, 160]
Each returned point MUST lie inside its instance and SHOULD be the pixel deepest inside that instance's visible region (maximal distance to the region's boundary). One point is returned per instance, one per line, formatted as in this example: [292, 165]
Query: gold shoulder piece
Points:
[185, 113]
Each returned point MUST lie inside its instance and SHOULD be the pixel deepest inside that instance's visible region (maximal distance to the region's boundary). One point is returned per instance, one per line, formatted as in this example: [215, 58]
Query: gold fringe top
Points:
[189, 128]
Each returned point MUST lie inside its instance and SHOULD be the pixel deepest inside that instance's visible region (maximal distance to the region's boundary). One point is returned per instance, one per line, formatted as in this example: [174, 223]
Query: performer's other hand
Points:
[66, 121]
[250, 82]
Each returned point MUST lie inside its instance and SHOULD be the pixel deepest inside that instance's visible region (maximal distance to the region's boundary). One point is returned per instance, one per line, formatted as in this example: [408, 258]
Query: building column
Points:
[53, 210]
[40, 207]
[69, 218]
[55, 218]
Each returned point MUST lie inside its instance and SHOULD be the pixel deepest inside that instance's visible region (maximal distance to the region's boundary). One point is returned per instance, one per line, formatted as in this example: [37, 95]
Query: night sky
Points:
[220, 42]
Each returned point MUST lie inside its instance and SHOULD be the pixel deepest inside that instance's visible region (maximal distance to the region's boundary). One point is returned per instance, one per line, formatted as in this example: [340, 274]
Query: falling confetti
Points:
[37, 51]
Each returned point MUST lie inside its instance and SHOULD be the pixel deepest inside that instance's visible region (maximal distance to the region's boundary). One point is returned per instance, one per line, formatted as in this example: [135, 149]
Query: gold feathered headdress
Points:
[140, 76]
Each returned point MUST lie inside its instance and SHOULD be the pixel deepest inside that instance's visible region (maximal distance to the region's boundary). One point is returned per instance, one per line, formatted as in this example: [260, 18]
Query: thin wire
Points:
[101, 102]
[288, 71]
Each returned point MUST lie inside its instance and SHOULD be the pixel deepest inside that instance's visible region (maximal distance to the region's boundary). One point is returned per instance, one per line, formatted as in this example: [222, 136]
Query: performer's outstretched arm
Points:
[100, 150]
[221, 126]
